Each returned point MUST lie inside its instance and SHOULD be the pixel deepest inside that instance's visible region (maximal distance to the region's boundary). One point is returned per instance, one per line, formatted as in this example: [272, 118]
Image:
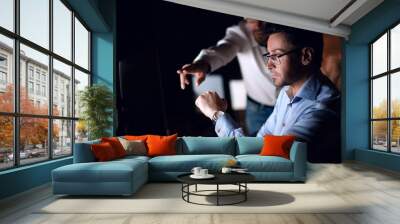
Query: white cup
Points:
[226, 170]
[196, 170]
[203, 172]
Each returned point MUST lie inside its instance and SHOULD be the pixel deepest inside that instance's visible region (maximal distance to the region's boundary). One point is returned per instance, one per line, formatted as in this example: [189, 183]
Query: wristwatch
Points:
[217, 115]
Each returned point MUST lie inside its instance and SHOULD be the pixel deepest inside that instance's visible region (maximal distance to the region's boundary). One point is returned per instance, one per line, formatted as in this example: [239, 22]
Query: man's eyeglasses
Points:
[275, 57]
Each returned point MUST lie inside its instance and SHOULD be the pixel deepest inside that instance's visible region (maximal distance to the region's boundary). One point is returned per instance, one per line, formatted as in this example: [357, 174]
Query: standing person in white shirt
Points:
[246, 42]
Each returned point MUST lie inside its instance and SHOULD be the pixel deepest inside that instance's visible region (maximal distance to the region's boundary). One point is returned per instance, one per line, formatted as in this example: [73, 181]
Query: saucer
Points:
[208, 176]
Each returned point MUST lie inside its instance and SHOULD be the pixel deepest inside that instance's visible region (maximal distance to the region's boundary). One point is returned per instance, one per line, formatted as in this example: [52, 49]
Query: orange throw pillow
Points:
[116, 145]
[277, 146]
[136, 137]
[161, 145]
[103, 152]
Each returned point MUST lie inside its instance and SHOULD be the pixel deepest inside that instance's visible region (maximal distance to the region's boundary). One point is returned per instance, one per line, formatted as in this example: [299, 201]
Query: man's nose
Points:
[270, 65]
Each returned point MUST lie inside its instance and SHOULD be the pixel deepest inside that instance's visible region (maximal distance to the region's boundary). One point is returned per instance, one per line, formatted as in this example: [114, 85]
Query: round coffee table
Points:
[238, 179]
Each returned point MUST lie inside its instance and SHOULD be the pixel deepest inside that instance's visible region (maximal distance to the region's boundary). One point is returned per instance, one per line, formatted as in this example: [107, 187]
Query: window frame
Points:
[3, 77]
[388, 74]
[16, 114]
[5, 59]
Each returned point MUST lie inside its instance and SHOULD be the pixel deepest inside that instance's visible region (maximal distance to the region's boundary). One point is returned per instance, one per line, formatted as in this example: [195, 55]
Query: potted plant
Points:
[96, 103]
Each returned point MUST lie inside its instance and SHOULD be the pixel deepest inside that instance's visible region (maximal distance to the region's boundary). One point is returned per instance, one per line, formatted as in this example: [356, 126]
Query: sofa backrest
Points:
[205, 145]
[249, 145]
[184, 145]
[191, 146]
[83, 152]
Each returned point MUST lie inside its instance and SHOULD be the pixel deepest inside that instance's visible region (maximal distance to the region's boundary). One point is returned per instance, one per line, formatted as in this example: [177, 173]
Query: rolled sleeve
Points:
[225, 50]
[225, 126]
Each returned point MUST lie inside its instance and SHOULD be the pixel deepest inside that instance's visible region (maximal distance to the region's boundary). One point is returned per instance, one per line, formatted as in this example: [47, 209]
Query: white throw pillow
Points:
[133, 147]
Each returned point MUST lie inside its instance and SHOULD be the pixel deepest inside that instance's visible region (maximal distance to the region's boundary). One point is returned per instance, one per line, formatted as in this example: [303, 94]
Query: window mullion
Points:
[389, 112]
[73, 82]
[16, 85]
[50, 80]
[371, 89]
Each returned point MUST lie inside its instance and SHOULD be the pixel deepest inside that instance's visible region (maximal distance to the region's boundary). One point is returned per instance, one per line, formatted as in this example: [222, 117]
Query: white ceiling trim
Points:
[269, 15]
[361, 11]
[348, 12]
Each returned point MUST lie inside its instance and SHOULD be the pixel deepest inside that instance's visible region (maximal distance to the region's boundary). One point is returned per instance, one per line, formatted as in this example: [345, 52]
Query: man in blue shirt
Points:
[308, 104]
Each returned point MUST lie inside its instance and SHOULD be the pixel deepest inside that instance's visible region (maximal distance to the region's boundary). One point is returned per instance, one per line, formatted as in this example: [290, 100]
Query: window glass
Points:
[33, 140]
[395, 47]
[62, 138]
[81, 81]
[7, 14]
[395, 136]
[395, 95]
[81, 131]
[62, 29]
[81, 45]
[379, 97]
[379, 135]
[62, 91]
[6, 142]
[6, 74]
[34, 21]
[39, 62]
[379, 56]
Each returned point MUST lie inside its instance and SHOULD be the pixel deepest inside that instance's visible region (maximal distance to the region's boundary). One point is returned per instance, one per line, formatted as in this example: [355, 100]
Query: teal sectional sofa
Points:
[125, 176]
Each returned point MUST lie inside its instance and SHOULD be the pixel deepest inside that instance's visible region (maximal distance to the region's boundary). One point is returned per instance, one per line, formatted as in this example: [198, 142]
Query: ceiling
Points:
[326, 16]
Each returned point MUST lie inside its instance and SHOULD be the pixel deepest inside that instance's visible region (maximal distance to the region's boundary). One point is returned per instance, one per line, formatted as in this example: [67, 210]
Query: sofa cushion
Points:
[257, 163]
[206, 145]
[277, 145]
[161, 145]
[116, 145]
[132, 158]
[135, 137]
[111, 171]
[134, 147]
[185, 163]
[249, 145]
[103, 152]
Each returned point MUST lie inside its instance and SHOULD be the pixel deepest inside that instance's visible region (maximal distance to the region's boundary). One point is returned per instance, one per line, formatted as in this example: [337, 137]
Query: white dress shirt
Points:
[239, 42]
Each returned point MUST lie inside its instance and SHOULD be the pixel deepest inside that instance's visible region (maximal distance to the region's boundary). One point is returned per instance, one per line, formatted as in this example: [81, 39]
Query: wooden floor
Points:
[354, 182]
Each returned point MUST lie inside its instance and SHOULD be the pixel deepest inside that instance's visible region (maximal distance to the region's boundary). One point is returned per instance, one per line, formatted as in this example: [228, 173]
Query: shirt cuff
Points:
[225, 126]
[207, 56]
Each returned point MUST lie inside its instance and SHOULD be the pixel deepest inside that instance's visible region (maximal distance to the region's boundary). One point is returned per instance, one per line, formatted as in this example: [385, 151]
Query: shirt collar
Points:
[308, 90]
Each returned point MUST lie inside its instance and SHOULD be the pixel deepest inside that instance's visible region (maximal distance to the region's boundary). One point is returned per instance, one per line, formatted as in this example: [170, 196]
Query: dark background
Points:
[154, 39]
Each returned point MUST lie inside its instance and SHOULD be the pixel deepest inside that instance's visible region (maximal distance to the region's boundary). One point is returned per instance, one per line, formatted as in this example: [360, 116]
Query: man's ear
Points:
[307, 54]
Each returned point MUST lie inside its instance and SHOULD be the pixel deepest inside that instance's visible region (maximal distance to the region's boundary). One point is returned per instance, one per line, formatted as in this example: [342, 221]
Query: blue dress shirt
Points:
[311, 115]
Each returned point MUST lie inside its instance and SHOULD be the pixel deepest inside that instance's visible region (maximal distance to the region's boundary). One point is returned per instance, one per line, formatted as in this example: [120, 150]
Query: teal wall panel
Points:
[377, 158]
[103, 52]
[24, 178]
[356, 85]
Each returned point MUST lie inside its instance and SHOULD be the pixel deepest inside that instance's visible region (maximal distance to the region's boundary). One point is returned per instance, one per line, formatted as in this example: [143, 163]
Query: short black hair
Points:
[299, 38]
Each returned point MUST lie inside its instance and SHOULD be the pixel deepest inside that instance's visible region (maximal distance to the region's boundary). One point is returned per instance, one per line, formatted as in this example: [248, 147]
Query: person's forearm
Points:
[217, 56]
[225, 50]
[225, 126]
